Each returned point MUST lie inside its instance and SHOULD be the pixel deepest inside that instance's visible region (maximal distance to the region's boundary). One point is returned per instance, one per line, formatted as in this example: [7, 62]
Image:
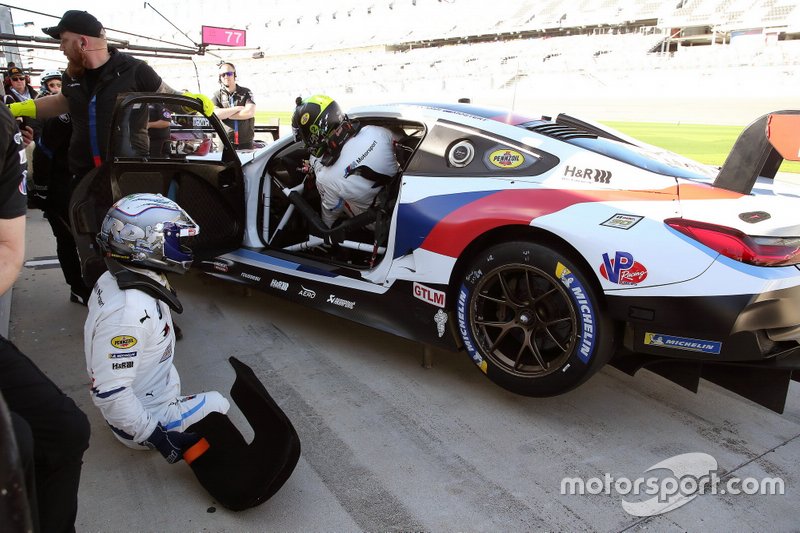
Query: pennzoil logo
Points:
[506, 158]
[123, 341]
[304, 119]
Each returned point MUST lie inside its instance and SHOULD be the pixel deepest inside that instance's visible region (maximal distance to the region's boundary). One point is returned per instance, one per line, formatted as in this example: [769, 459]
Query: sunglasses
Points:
[17, 79]
[227, 74]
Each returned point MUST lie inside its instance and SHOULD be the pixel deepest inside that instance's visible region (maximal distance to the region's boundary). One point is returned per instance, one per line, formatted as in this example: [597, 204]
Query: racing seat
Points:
[240, 475]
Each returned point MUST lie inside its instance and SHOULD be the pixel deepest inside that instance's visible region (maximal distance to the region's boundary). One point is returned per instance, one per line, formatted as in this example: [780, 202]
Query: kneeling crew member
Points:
[129, 336]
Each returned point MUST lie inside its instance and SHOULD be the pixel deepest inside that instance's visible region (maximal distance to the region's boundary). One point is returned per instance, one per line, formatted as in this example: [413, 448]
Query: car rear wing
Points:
[760, 150]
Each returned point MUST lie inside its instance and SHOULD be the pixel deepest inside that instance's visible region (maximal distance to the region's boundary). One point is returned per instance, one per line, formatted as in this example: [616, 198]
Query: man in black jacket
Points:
[95, 76]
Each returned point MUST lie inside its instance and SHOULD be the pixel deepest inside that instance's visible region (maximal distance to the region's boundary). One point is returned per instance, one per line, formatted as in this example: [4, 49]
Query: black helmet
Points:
[318, 121]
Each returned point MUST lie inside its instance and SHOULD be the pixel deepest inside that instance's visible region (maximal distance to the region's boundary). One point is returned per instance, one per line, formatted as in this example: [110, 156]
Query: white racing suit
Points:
[129, 343]
[340, 189]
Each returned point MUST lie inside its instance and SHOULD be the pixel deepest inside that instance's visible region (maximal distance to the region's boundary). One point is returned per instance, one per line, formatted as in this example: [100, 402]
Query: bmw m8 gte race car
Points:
[544, 247]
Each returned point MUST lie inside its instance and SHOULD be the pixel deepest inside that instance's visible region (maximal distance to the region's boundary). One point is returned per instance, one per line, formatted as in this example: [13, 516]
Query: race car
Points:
[542, 246]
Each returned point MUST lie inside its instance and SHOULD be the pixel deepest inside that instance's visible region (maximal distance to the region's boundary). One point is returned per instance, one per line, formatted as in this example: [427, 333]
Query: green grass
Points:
[707, 144]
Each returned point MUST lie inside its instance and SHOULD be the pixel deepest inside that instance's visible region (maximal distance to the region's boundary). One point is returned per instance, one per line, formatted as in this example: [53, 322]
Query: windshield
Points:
[647, 158]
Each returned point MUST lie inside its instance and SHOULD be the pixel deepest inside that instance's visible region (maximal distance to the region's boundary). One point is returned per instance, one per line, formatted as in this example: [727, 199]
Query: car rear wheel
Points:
[531, 321]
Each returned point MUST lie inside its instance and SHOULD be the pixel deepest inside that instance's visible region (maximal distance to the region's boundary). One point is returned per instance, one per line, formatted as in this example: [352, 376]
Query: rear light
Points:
[760, 251]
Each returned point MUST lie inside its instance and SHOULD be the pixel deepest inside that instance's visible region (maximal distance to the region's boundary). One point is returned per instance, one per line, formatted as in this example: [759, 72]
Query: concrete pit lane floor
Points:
[390, 445]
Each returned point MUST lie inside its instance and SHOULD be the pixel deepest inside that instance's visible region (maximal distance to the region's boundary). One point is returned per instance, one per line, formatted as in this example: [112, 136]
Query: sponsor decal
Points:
[123, 341]
[307, 293]
[280, 285]
[506, 158]
[682, 343]
[121, 355]
[426, 294]
[578, 293]
[754, 216]
[99, 294]
[441, 320]
[622, 270]
[304, 119]
[145, 317]
[622, 221]
[587, 174]
[122, 366]
[165, 331]
[222, 267]
[250, 276]
[463, 328]
[352, 166]
[347, 304]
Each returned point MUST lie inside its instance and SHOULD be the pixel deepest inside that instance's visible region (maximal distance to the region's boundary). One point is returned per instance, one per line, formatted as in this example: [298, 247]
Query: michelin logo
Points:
[682, 343]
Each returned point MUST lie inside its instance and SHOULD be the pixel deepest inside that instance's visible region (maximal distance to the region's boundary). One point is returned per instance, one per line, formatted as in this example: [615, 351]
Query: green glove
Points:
[208, 105]
[24, 109]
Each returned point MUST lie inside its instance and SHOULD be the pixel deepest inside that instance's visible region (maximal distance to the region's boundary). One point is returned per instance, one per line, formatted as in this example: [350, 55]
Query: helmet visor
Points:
[176, 239]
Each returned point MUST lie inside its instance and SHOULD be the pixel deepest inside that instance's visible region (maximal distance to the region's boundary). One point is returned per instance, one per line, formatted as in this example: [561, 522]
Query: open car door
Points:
[193, 164]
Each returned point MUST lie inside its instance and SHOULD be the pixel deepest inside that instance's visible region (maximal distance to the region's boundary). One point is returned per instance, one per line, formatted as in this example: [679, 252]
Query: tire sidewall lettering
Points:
[586, 346]
[464, 329]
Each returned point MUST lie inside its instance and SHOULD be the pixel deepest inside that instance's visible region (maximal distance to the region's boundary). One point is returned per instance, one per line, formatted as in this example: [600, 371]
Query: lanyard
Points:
[93, 132]
[235, 123]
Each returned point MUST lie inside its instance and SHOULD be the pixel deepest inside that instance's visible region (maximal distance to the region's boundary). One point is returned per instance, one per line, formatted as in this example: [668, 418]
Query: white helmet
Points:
[50, 75]
[146, 230]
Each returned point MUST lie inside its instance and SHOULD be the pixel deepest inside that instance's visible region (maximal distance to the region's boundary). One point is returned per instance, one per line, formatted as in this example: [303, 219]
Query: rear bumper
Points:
[719, 328]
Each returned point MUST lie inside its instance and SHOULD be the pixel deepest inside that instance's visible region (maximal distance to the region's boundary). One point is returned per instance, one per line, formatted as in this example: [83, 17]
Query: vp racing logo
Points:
[622, 269]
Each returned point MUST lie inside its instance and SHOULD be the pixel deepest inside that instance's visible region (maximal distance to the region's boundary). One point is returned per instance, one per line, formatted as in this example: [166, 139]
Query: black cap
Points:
[15, 71]
[80, 22]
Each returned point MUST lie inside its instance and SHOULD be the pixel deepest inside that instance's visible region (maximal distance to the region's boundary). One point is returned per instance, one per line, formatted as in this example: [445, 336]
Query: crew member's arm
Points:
[12, 250]
[228, 112]
[244, 112]
[41, 108]
[13, 203]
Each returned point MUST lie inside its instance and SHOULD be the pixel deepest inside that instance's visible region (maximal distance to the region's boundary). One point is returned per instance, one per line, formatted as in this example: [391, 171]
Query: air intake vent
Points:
[560, 131]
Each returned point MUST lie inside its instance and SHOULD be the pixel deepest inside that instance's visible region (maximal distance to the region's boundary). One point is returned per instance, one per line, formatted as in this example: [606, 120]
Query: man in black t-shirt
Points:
[51, 431]
[236, 108]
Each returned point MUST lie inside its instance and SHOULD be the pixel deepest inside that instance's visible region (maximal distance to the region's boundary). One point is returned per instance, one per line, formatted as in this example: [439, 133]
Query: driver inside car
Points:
[351, 163]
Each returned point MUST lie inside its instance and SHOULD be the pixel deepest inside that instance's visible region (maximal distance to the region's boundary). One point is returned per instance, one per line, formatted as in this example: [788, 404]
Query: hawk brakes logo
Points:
[596, 174]
[622, 270]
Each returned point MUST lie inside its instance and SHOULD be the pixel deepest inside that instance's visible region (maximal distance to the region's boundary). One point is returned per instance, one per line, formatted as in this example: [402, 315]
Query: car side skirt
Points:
[410, 310]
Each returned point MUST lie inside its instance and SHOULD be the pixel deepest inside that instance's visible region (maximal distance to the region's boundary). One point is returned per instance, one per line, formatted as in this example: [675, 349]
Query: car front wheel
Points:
[531, 321]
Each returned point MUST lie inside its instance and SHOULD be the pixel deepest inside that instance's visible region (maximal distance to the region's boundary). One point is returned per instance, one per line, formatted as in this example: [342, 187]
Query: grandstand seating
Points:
[538, 49]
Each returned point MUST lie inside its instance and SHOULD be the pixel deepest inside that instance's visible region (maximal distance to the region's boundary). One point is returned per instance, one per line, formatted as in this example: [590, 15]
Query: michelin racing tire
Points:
[531, 320]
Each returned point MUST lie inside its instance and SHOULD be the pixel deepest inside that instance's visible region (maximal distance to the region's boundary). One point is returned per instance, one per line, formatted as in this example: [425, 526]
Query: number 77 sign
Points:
[224, 36]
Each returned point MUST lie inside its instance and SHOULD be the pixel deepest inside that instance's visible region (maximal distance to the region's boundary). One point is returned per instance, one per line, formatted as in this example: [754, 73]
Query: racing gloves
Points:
[208, 105]
[24, 109]
[171, 444]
